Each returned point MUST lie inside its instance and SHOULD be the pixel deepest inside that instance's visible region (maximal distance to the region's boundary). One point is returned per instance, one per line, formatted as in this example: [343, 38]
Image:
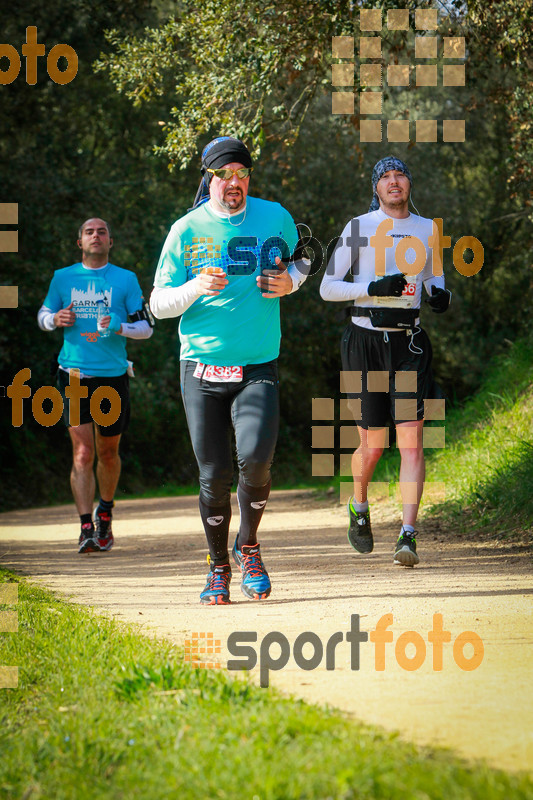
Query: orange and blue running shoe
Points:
[255, 581]
[216, 591]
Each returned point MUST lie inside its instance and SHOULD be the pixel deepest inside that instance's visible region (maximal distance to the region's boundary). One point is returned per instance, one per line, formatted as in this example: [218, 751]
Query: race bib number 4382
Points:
[209, 372]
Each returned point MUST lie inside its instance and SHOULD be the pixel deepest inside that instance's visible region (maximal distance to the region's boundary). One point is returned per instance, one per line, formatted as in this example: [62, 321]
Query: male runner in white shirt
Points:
[386, 352]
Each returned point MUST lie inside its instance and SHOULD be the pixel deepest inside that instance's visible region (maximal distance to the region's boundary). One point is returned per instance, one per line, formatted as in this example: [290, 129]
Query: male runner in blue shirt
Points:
[95, 354]
[221, 271]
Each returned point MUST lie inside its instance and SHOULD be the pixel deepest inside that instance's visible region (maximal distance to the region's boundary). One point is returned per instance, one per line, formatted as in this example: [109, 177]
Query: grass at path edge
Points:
[103, 711]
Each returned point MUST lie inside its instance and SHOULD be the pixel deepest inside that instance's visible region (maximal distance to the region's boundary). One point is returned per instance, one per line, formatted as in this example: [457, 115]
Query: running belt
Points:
[383, 317]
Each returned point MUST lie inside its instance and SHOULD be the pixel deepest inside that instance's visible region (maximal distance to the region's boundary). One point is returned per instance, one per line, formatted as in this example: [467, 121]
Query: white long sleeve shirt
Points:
[361, 262]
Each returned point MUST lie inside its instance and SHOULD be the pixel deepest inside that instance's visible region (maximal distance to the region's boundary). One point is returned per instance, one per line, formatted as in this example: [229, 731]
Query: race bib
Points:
[209, 372]
[405, 301]
[410, 290]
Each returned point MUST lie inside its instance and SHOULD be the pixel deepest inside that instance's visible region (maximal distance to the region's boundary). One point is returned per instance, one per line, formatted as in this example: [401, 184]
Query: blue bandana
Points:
[383, 166]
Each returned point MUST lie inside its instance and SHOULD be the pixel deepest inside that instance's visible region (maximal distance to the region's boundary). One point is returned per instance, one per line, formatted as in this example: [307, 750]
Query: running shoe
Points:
[405, 553]
[255, 581]
[103, 533]
[87, 542]
[360, 532]
[216, 591]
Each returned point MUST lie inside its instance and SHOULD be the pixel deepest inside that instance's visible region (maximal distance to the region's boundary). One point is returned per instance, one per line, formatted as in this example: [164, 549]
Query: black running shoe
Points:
[360, 532]
[87, 542]
[216, 590]
[405, 553]
[103, 533]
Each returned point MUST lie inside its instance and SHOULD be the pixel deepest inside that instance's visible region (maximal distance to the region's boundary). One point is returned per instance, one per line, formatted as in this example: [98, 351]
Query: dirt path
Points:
[155, 572]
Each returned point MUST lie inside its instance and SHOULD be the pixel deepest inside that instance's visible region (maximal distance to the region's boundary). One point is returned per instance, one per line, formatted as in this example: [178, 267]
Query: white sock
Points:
[407, 529]
[359, 507]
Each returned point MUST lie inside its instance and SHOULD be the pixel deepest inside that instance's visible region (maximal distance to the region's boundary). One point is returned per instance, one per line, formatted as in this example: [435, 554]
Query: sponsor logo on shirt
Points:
[91, 336]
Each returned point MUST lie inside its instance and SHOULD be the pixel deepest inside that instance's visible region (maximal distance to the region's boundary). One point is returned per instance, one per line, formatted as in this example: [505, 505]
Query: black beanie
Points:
[220, 151]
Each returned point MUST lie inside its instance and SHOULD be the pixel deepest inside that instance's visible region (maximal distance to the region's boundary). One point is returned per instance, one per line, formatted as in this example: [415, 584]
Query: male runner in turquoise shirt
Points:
[223, 270]
[99, 361]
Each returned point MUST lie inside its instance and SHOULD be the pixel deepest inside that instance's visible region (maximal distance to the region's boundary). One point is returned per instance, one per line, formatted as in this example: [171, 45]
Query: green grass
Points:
[103, 712]
[487, 464]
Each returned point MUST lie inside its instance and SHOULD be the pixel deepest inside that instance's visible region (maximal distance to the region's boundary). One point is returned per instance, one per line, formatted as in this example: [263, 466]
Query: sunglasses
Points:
[226, 174]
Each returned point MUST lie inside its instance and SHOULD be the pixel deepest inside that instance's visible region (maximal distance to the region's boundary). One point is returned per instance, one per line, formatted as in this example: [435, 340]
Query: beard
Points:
[234, 203]
[394, 201]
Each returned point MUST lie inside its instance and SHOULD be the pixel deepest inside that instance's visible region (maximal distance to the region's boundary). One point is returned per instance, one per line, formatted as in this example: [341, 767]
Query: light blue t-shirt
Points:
[83, 347]
[239, 326]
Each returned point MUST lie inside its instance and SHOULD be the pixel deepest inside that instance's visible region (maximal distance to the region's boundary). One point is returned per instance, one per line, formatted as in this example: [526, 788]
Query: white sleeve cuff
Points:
[434, 281]
[299, 272]
[45, 319]
[136, 330]
[173, 301]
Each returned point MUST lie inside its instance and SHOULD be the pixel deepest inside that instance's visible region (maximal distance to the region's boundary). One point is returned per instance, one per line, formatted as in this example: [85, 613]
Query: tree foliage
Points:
[261, 70]
[250, 67]
[255, 67]
[67, 153]
[502, 60]
[171, 74]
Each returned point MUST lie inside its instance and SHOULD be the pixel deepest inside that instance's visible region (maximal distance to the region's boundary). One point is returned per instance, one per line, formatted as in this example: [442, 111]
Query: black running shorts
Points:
[372, 361]
[121, 385]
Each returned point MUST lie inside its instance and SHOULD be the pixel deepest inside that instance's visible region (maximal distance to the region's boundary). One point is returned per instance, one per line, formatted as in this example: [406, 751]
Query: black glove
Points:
[439, 300]
[390, 286]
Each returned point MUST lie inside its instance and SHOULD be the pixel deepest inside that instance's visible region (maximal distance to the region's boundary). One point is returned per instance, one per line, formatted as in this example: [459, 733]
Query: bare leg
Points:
[108, 464]
[412, 469]
[364, 460]
[82, 475]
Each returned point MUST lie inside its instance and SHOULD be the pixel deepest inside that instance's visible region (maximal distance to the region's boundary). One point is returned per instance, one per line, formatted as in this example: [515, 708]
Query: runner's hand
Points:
[390, 286]
[112, 321]
[439, 300]
[211, 283]
[275, 282]
[65, 317]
